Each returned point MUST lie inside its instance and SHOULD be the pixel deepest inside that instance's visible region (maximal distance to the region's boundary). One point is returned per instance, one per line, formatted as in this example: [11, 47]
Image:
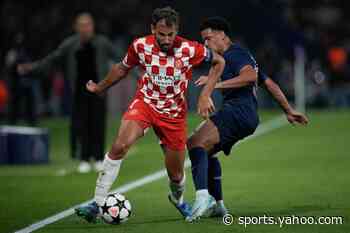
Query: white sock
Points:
[106, 178]
[202, 193]
[220, 203]
[178, 189]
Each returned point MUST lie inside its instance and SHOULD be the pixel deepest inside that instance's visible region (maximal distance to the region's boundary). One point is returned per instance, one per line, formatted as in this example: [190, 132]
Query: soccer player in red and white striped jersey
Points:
[165, 61]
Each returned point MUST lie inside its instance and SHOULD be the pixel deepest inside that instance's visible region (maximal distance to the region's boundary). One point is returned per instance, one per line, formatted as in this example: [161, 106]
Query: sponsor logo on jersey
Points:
[164, 80]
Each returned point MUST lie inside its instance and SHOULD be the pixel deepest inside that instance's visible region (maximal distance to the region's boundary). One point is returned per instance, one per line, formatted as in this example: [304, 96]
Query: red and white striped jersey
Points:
[164, 77]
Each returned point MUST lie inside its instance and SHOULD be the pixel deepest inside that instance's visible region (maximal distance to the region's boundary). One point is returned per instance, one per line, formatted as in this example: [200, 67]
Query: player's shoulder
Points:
[181, 41]
[145, 40]
[236, 49]
[186, 47]
[140, 44]
[238, 53]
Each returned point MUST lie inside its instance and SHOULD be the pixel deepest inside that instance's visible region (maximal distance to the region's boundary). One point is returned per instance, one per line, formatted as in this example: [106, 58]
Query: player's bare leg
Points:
[203, 139]
[174, 163]
[129, 132]
[206, 135]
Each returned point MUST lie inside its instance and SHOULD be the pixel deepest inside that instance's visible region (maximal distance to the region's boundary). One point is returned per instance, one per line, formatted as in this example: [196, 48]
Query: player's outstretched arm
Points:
[293, 116]
[55, 57]
[247, 76]
[205, 105]
[117, 73]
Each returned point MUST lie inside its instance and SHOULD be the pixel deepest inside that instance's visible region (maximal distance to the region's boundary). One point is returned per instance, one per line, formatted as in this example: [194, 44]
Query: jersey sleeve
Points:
[131, 58]
[261, 78]
[201, 53]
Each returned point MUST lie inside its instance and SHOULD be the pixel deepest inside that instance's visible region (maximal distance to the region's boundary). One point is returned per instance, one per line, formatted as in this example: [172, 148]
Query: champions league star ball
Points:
[116, 209]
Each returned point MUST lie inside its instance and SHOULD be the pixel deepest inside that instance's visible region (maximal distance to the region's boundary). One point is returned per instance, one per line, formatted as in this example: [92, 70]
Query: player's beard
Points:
[164, 47]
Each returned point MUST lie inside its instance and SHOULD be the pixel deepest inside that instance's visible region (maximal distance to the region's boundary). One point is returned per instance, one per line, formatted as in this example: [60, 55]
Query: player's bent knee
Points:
[119, 150]
[189, 144]
[192, 142]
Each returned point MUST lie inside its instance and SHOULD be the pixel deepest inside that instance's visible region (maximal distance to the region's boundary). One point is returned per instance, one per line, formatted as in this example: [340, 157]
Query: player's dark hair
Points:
[169, 14]
[216, 23]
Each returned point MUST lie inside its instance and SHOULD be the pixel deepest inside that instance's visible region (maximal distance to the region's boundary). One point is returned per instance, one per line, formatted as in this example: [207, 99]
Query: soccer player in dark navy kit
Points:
[237, 119]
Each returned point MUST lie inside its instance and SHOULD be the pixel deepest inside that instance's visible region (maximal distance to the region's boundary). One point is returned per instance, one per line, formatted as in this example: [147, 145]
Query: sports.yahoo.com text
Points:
[229, 219]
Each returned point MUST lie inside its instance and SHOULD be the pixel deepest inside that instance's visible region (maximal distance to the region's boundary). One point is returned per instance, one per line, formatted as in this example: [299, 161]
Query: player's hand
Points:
[201, 81]
[25, 68]
[205, 106]
[92, 87]
[296, 117]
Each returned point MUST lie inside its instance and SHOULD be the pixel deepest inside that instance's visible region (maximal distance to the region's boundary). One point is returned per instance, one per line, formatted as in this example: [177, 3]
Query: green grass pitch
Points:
[302, 171]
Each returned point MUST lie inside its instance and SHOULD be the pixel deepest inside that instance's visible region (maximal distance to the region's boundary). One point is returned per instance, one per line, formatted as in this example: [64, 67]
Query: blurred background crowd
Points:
[270, 29]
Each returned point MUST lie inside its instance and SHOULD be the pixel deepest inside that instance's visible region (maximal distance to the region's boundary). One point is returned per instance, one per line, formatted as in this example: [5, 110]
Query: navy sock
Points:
[214, 178]
[199, 161]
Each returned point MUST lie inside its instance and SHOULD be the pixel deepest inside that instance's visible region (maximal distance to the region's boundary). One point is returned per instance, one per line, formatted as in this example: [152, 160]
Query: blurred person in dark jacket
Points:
[83, 56]
[21, 86]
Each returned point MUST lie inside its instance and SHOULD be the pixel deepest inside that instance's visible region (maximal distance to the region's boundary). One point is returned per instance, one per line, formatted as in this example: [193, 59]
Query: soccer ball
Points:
[116, 209]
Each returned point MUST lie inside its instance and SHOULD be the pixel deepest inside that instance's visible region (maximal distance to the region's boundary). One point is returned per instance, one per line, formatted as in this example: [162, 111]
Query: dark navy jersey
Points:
[236, 58]
[261, 78]
[238, 117]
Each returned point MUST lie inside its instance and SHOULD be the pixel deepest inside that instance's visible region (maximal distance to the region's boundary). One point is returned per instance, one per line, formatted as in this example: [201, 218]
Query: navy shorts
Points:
[234, 121]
